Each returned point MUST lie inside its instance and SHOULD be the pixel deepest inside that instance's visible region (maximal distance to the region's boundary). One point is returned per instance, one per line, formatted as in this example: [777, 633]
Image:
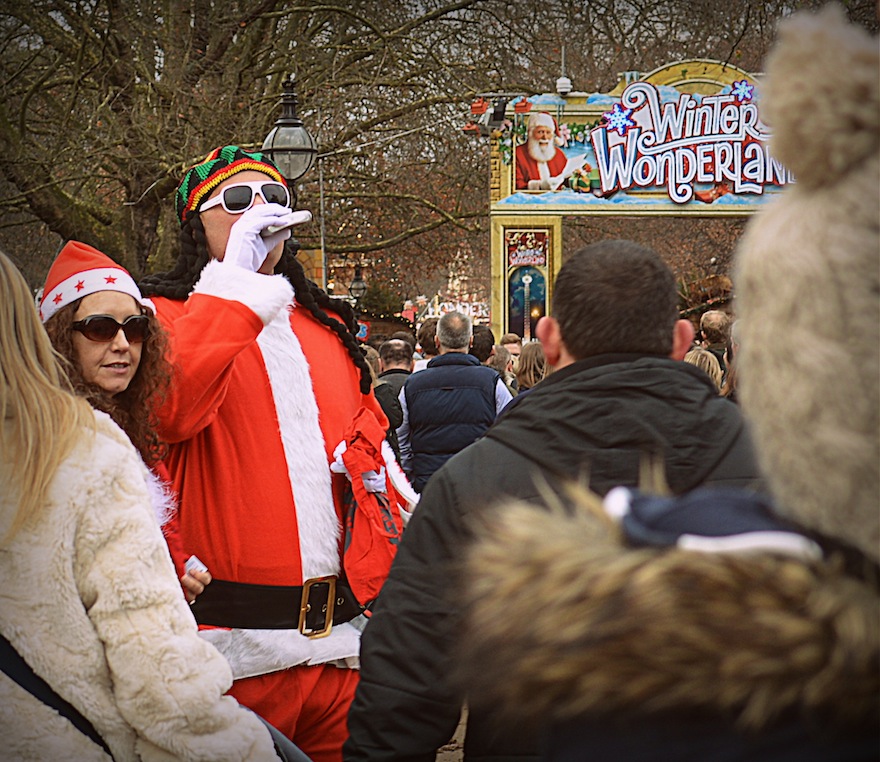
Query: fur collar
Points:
[595, 627]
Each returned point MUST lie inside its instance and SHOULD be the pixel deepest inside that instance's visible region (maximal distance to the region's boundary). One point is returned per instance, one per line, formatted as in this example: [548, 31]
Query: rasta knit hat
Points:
[219, 165]
[80, 270]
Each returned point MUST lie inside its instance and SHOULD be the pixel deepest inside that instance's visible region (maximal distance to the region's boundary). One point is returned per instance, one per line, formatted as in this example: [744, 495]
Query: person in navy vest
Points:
[450, 407]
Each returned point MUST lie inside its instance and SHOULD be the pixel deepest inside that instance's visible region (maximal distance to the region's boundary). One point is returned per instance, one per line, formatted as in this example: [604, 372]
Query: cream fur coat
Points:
[90, 599]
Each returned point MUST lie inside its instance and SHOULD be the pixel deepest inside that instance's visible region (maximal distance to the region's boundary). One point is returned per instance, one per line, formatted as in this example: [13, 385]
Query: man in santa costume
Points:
[539, 161]
[270, 411]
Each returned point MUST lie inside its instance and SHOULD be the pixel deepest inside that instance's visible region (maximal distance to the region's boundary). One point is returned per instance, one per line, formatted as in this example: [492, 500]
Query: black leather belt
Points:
[312, 609]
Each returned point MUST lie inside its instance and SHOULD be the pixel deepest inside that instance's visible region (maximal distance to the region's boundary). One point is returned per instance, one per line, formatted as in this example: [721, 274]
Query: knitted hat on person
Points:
[219, 165]
[80, 270]
[543, 119]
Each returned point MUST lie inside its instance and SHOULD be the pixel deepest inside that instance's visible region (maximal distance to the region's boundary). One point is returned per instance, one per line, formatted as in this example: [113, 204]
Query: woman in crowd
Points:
[98, 321]
[707, 362]
[532, 366]
[89, 598]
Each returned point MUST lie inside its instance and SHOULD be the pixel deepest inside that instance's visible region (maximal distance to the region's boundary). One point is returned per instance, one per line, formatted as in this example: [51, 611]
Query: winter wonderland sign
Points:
[685, 138]
[716, 140]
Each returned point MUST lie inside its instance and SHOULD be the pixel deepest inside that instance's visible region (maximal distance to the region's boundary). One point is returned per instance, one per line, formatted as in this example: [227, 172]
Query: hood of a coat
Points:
[603, 415]
[565, 620]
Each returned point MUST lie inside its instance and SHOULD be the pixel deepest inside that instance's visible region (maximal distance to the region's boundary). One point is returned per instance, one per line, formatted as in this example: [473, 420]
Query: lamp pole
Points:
[292, 149]
[357, 288]
[289, 144]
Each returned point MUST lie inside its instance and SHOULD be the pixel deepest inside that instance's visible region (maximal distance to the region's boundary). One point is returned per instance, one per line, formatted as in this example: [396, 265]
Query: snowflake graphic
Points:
[619, 119]
[742, 90]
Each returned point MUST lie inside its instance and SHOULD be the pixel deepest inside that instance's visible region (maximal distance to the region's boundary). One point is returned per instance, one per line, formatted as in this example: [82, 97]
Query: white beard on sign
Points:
[541, 150]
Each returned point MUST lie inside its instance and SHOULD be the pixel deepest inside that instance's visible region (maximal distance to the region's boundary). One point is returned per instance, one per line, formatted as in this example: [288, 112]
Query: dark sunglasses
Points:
[239, 197]
[104, 328]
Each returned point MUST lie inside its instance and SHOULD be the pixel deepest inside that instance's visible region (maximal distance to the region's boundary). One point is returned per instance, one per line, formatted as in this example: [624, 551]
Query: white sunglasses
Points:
[239, 197]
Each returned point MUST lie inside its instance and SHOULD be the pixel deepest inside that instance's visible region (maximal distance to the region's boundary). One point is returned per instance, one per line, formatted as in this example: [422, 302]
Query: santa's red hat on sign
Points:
[80, 270]
[543, 119]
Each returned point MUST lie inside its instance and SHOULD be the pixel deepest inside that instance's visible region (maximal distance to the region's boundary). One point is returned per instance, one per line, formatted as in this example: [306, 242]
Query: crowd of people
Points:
[227, 525]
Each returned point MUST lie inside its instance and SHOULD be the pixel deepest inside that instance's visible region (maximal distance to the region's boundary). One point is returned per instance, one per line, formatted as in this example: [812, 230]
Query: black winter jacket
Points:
[595, 418]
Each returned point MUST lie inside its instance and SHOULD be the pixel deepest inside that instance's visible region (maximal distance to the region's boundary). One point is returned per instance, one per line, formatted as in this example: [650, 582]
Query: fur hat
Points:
[808, 283]
[219, 165]
[80, 270]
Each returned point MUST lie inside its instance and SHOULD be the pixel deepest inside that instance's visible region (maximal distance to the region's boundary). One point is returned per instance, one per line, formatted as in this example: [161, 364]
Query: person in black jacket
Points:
[720, 625]
[619, 395]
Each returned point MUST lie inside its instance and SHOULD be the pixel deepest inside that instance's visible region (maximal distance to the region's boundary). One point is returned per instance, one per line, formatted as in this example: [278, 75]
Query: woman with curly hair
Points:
[115, 350]
[100, 654]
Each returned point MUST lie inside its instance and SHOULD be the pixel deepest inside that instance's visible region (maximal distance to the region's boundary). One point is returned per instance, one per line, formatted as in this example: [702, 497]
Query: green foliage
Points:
[380, 300]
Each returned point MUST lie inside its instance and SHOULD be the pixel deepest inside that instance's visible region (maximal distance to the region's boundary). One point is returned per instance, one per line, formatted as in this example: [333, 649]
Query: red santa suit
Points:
[262, 396]
[528, 168]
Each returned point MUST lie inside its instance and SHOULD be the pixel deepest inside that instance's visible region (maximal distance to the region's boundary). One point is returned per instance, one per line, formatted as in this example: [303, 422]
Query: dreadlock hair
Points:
[178, 282]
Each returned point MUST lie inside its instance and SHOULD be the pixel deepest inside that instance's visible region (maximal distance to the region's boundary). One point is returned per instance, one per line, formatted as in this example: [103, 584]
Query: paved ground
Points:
[454, 750]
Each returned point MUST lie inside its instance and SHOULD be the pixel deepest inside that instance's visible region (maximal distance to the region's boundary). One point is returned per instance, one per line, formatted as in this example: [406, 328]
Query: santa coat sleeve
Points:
[227, 310]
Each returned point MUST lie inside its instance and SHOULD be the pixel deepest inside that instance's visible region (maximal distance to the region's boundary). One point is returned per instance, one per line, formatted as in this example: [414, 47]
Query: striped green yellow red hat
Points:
[199, 180]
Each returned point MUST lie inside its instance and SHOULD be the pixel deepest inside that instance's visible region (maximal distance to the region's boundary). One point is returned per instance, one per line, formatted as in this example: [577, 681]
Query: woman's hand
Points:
[193, 583]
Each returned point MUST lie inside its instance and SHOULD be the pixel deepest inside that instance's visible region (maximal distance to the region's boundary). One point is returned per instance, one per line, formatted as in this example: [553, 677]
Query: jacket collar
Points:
[454, 358]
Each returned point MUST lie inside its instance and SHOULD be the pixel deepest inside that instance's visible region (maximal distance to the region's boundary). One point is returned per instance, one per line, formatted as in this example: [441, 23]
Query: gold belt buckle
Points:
[327, 606]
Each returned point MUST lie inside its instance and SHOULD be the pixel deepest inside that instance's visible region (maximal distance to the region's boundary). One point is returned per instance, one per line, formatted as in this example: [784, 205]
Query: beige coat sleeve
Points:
[168, 683]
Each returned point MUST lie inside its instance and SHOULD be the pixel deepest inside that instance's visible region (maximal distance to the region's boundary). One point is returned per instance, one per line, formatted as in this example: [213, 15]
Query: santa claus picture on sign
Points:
[540, 162]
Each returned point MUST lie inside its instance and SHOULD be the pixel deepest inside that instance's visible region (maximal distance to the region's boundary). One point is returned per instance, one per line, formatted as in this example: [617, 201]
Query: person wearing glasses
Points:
[100, 655]
[98, 321]
[269, 382]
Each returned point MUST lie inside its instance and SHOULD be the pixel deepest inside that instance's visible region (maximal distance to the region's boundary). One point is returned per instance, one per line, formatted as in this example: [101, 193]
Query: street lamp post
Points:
[289, 144]
[292, 149]
[358, 287]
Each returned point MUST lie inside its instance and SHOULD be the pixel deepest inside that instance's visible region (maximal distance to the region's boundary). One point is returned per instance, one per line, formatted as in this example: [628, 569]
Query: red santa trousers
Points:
[309, 704]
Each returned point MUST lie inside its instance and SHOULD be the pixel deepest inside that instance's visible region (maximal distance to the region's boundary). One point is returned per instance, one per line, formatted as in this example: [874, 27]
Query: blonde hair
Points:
[42, 419]
[707, 362]
[532, 366]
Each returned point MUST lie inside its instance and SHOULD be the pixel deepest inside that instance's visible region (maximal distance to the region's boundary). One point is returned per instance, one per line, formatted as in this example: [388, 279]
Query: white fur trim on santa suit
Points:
[400, 483]
[258, 652]
[265, 295]
[304, 449]
[161, 497]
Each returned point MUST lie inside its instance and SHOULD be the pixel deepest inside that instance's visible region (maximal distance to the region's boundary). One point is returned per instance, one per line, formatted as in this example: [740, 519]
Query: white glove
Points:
[374, 481]
[246, 248]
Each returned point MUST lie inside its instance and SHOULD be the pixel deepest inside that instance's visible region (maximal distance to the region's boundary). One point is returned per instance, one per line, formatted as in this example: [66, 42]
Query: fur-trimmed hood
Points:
[566, 620]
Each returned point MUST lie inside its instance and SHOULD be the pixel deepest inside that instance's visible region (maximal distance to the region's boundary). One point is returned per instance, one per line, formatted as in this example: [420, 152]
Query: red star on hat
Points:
[80, 270]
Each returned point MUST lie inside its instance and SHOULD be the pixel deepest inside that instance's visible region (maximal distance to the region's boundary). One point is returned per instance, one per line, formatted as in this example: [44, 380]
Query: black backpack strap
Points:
[19, 670]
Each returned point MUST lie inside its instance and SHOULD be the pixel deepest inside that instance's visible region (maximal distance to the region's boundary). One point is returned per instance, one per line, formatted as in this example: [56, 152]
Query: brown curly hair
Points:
[134, 409]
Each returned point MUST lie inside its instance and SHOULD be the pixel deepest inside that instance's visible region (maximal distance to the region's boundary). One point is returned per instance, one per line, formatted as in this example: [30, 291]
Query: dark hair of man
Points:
[484, 341]
[396, 352]
[193, 256]
[426, 334]
[615, 296]
[134, 409]
[406, 336]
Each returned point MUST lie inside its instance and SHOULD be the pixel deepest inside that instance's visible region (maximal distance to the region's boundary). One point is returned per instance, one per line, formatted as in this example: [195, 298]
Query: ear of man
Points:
[550, 336]
[682, 339]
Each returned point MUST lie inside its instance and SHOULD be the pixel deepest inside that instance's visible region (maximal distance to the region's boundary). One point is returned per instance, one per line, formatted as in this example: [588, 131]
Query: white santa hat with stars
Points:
[543, 119]
[80, 270]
